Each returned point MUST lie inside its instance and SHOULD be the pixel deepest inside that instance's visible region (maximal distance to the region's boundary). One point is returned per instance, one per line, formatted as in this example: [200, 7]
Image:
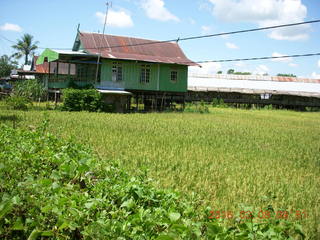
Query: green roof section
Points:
[48, 54]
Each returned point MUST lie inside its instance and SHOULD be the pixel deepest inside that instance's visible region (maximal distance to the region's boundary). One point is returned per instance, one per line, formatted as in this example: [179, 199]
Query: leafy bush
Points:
[24, 92]
[218, 102]
[32, 89]
[17, 102]
[57, 189]
[81, 100]
[197, 107]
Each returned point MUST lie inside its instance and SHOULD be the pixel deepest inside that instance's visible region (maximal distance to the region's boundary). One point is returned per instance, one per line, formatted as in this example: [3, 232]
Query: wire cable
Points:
[192, 37]
[255, 58]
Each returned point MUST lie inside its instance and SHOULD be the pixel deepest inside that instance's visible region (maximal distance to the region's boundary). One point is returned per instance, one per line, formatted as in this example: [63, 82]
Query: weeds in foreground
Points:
[57, 189]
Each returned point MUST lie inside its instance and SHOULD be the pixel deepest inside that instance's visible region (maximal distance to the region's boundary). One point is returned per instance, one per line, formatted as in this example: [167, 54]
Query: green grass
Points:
[229, 158]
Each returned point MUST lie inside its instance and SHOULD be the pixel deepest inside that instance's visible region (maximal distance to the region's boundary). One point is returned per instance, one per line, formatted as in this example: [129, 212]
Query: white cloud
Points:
[285, 60]
[293, 65]
[231, 45]
[206, 68]
[315, 75]
[261, 69]
[206, 30]
[119, 18]
[10, 27]
[265, 13]
[319, 63]
[155, 9]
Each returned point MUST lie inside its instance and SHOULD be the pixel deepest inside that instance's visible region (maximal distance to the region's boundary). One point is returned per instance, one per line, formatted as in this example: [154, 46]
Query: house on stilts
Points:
[121, 68]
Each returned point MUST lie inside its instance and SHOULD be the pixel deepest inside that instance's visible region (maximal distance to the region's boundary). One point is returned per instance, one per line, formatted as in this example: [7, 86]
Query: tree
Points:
[219, 72]
[6, 65]
[230, 71]
[25, 47]
[286, 75]
[242, 73]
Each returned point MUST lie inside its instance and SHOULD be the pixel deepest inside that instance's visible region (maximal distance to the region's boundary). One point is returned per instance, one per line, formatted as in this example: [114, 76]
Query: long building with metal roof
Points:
[254, 84]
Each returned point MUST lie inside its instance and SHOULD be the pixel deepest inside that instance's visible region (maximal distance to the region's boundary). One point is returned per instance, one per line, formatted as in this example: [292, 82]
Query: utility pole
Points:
[104, 27]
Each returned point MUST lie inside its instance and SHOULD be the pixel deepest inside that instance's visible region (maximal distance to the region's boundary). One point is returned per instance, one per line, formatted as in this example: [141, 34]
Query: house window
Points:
[174, 76]
[87, 73]
[145, 74]
[116, 72]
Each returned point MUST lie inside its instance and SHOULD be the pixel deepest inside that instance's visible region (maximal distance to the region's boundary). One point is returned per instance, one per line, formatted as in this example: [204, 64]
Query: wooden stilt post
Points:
[55, 98]
[49, 71]
[137, 103]
[162, 101]
[183, 102]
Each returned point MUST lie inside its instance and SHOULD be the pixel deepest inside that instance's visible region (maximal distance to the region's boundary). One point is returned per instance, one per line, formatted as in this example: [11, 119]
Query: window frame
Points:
[117, 72]
[145, 73]
[174, 76]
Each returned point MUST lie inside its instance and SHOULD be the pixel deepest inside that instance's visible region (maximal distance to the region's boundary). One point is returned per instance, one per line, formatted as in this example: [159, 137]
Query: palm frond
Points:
[24, 46]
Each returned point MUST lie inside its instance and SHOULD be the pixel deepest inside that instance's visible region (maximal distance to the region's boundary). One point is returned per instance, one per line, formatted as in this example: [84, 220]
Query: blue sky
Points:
[54, 24]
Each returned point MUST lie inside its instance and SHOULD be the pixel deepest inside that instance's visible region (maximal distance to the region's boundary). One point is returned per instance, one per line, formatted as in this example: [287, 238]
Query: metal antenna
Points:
[105, 19]
[104, 27]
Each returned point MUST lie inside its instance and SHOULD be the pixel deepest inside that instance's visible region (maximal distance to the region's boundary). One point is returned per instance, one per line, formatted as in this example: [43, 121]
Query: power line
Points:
[241, 59]
[256, 58]
[250, 30]
[196, 37]
[215, 35]
[7, 39]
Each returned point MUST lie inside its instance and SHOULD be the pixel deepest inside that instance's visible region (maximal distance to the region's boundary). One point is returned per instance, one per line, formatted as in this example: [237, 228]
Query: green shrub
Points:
[218, 102]
[201, 107]
[59, 189]
[32, 89]
[81, 100]
[17, 102]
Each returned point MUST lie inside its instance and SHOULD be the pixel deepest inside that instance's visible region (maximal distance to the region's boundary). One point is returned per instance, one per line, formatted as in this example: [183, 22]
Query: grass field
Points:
[228, 158]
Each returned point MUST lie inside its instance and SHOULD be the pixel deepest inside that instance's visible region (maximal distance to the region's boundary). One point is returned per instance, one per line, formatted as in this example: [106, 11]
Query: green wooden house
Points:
[112, 63]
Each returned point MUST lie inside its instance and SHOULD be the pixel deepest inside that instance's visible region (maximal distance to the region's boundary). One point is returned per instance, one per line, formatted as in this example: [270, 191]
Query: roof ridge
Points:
[139, 38]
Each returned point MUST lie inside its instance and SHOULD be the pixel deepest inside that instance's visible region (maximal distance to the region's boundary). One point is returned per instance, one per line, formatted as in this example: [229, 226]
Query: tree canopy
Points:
[6, 65]
[25, 47]
[286, 75]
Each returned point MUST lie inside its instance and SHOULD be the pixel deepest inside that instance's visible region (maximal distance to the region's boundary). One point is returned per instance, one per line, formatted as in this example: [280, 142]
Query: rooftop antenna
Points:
[105, 19]
[104, 27]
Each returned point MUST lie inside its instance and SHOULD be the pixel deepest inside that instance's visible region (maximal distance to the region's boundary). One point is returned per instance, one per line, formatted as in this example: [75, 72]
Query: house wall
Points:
[182, 79]
[160, 76]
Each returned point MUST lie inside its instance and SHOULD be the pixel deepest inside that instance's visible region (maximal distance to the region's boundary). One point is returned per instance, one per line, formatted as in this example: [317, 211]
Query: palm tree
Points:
[25, 47]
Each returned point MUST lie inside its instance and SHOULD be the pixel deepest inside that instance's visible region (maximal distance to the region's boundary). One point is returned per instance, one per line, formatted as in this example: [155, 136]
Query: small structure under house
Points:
[121, 68]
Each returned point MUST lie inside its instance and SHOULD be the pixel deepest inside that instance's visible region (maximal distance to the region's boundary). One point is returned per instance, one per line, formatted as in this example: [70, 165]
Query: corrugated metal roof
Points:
[70, 52]
[244, 84]
[140, 49]
[253, 91]
[118, 92]
[256, 78]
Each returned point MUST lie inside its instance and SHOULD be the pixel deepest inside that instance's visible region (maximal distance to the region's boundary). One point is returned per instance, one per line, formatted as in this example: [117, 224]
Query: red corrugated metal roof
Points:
[129, 48]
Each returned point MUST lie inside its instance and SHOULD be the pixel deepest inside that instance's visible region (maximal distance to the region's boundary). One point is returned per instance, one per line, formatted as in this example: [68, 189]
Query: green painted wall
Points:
[160, 76]
[165, 78]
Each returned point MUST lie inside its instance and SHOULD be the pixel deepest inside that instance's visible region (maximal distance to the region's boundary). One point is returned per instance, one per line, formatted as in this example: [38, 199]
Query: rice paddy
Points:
[228, 158]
